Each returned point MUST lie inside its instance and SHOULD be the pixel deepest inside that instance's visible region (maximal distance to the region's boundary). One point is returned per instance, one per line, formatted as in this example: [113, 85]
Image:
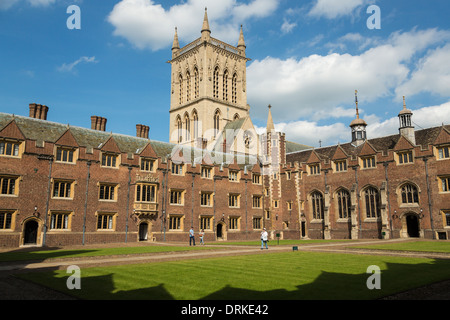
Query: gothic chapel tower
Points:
[208, 88]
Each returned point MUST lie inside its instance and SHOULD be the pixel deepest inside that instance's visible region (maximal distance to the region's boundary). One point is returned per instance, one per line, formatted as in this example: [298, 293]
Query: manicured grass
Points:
[419, 246]
[275, 242]
[40, 255]
[288, 275]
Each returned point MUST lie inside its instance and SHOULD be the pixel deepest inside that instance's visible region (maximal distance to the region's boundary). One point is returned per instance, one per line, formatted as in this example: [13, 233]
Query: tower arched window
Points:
[317, 205]
[216, 123]
[344, 204]
[234, 88]
[409, 193]
[216, 83]
[225, 85]
[196, 83]
[180, 80]
[195, 119]
[372, 201]
[188, 86]
[179, 130]
[187, 127]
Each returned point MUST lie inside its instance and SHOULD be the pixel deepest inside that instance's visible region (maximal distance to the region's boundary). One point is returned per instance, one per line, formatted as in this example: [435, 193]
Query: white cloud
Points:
[314, 84]
[432, 74]
[146, 24]
[41, 2]
[310, 132]
[287, 26]
[71, 66]
[6, 4]
[332, 9]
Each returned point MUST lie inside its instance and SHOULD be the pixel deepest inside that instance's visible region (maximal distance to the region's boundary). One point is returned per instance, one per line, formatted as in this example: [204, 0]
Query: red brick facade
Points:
[64, 185]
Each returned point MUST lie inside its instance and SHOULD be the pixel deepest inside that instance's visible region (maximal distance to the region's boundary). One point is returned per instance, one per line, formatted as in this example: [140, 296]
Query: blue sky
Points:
[308, 58]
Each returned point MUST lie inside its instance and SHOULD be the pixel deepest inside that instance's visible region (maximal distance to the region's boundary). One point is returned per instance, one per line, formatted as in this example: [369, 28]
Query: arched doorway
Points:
[220, 231]
[143, 231]
[30, 232]
[412, 225]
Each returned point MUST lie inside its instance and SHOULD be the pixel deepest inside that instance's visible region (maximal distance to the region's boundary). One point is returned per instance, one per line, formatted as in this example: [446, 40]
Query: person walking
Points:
[264, 239]
[201, 234]
[191, 236]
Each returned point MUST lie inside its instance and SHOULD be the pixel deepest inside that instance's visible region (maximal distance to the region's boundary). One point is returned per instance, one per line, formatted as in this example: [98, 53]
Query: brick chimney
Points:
[98, 123]
[38, 111]
[142, 131]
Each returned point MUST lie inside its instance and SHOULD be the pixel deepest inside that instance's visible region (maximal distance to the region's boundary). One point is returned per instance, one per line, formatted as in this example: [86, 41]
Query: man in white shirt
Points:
[264, 238]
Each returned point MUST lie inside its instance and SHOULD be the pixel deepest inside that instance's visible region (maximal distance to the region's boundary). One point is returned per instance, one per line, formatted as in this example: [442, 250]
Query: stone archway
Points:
[412, 225]
[145, 231]
[221, 233]
[30, 232]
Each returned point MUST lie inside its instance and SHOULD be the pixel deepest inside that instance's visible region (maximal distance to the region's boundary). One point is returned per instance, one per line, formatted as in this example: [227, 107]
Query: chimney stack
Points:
[98, 123]
[142, 131]
[38, 111]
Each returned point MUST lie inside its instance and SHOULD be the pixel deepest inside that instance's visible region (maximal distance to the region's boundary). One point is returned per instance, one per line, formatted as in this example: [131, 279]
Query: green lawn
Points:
[276, 242]
[288, 275]
[420, 246]
[40, 255]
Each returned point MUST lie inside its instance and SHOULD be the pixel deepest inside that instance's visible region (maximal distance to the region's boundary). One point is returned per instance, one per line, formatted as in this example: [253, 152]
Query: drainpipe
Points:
[192, 200]
[49, 185]
[214, 208]
[430, 205]
[128, 204]
[86, 200]
[387, 195]
[246, 221]
[358, 201]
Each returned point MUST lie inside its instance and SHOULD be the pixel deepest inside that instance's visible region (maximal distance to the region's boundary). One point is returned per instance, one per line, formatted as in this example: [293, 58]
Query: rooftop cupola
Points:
[358, 126]
[406, 128]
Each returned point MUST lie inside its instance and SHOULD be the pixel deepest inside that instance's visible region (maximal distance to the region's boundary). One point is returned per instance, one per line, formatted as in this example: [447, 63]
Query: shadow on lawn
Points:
[327, 286]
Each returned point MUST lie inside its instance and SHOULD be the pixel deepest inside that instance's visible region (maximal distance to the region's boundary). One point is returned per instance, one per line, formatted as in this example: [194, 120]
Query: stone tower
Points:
[208, 88]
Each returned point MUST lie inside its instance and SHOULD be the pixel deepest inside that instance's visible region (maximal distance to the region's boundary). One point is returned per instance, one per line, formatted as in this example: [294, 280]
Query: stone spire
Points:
[206, 32]
[176, 44]
[270, 125]
[241, 44]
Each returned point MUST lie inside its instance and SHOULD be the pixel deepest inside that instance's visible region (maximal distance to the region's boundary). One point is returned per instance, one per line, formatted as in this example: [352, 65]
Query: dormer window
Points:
[368, 162]
[314, 169]
[65, 154]
[340, 166]
[443, 152]
[109, 160]
[405, 157]
[9, 148]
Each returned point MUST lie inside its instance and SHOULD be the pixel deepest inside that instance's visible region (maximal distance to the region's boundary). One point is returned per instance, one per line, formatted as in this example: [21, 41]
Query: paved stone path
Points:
[12, 288]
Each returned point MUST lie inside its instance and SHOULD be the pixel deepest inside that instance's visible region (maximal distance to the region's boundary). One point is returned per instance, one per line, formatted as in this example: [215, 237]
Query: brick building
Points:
[67, 185]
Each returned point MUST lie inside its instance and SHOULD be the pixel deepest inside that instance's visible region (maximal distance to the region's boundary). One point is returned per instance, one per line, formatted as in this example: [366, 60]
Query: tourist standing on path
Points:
[202, 233]
[191, 236]
[264, 239]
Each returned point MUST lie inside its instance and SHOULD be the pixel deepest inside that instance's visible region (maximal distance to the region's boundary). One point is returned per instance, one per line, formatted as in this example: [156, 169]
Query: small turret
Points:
[176, 44]
[241, 43]
[358, 126]
[406, 128]
[206, 32]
